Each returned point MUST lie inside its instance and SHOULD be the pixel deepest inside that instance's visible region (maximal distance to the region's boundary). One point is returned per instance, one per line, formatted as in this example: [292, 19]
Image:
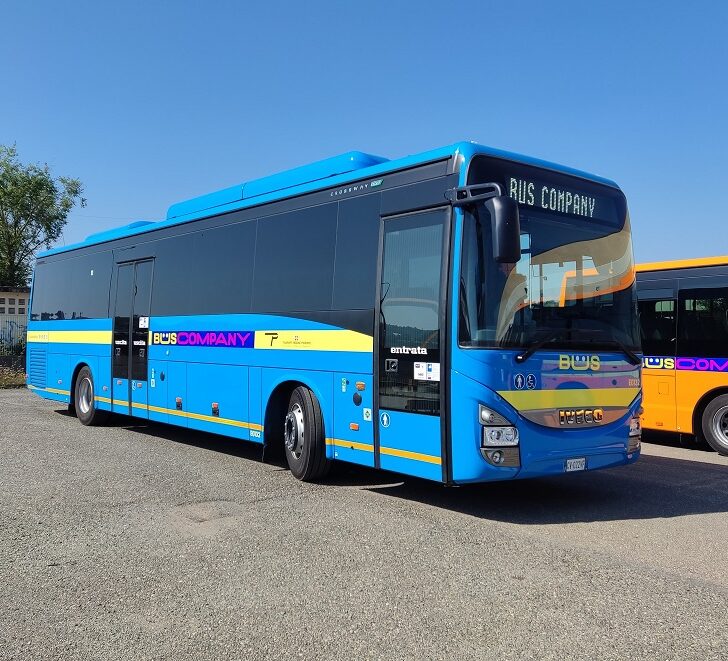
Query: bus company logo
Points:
[579, 363]
[580, 416]
[685, 364]
[236, 339]
[418, 351]
[658, 363]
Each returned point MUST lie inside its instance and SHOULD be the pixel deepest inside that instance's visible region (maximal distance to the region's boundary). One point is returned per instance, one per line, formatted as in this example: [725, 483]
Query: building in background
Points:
[13, 324]
[14, 303]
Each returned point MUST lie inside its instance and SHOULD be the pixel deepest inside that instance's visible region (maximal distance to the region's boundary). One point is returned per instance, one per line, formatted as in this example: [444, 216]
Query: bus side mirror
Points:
[506, 228]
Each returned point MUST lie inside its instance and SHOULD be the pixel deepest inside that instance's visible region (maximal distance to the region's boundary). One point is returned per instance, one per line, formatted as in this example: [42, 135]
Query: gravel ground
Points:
[138, 542]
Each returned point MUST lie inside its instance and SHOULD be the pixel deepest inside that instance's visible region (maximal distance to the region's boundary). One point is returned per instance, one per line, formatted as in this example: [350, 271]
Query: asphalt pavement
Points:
[136, 541]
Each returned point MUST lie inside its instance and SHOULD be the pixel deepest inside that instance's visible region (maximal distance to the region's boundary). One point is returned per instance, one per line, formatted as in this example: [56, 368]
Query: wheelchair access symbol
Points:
[384, 419]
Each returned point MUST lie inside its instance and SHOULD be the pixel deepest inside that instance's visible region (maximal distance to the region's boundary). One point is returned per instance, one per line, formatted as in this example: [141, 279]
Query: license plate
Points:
[572, 465]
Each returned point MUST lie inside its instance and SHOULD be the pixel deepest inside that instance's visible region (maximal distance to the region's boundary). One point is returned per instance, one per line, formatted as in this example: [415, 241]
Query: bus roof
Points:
[682, 264]
[335, 171]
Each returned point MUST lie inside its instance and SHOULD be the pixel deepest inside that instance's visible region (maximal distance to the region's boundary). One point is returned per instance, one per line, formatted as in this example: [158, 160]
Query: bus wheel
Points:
[303, 436]
[83, 398]
[715, 424]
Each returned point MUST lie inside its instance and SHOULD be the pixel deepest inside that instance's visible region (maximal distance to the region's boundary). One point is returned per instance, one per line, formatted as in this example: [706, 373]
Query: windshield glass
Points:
[574, 285]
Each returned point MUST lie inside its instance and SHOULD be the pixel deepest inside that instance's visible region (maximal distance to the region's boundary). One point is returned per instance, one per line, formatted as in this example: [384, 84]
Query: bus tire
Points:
[84, 402]
[715, 424]
[304, 441]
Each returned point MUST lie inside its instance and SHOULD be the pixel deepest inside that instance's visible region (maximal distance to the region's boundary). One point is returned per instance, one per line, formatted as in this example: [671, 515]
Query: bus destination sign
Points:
[549, 197]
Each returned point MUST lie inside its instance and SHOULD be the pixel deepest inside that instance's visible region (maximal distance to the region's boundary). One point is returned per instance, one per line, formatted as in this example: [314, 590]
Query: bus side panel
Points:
[221, 388]
[255, 404]
[321, 383]
[690, 387]
[659, 387]
[177, 390]
[467, 463]
[353, 434]
[158, 370]
[410, 444]
[59, 374]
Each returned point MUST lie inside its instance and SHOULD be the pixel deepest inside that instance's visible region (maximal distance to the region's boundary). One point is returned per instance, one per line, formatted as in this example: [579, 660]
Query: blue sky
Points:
[150, 103]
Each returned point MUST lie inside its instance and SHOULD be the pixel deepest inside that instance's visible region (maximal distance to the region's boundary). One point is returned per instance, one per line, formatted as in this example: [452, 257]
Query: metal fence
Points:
[12, 341]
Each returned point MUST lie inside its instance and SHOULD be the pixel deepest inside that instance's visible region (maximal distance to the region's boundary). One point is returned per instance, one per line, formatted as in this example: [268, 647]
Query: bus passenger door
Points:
[658, 321]
[131, 331]
[410, 332]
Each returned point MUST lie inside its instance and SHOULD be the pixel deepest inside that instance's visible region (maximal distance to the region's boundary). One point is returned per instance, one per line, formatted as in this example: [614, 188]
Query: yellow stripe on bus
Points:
[353, 445]
[393, 452]
[314, 340]
[71, 337]
[529, 400]
[181, 414]
[406, 454]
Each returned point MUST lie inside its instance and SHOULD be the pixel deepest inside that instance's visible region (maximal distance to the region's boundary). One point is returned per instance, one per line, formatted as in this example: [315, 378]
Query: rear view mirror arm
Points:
[471, 194]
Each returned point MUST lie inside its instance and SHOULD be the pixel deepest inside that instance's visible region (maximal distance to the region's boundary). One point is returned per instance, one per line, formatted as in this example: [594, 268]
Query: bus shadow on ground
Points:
[654, 487]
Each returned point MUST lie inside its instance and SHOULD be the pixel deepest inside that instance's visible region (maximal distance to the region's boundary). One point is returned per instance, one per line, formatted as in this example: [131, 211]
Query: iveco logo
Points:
[580, 416]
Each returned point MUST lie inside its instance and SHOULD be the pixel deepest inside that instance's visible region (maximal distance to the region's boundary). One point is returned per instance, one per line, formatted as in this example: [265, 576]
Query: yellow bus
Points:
[684, 325]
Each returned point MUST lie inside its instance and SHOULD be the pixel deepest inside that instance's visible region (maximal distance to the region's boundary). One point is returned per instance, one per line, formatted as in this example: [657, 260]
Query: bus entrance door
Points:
[410, 332]
[131, 332]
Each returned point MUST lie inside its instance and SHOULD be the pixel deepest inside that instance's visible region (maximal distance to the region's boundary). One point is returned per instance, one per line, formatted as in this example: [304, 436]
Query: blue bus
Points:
[461, 315]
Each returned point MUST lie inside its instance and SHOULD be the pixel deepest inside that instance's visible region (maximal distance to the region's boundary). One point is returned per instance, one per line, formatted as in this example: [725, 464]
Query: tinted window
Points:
[357, 244]
[208, 272]
[294, 261]
[173, 275]
[72, 288]
[657, 326]
[703, 322]
[122, 312]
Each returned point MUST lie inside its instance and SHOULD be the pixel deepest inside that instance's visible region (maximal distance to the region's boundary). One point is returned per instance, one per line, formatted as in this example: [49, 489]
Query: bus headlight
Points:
[499, 440]
[490, 417]
[498, 437]
[635, 433]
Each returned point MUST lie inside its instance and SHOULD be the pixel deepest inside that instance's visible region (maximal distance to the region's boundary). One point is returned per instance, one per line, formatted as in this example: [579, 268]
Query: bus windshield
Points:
[573, 287]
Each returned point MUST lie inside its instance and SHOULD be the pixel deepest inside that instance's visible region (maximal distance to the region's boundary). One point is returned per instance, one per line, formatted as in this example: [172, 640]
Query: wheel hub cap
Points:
[86, 395]
[720, 426]
[293, 431]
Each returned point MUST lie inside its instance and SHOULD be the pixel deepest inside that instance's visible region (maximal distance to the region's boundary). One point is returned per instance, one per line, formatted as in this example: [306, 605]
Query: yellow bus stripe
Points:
[299, 340]
[71, 337]
[529, 400]
[57, 391]
[406, 454]
[182, 414]
[314, 340]
[353, 445]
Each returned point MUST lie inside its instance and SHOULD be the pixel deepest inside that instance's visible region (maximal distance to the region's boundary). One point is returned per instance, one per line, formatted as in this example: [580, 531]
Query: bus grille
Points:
[37, 368]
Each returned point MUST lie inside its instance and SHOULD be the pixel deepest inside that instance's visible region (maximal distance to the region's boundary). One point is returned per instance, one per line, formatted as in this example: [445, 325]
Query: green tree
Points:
[34, 206]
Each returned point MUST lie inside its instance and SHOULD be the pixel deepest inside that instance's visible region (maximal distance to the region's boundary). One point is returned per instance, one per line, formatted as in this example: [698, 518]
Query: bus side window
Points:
[703, 322]
[657, 323]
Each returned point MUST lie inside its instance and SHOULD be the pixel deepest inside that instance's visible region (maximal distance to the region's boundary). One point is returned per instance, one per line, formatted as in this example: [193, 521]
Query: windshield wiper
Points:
[539, 344]
[533, 348]
[631, 355]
